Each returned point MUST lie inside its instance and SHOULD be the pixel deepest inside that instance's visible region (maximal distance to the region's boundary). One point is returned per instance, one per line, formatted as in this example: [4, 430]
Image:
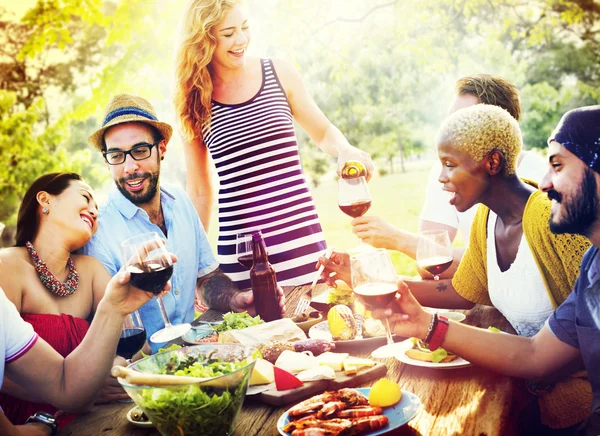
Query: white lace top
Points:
[519, 293]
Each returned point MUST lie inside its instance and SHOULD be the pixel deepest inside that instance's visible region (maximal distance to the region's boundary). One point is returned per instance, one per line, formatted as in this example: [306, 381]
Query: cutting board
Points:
[280, 398]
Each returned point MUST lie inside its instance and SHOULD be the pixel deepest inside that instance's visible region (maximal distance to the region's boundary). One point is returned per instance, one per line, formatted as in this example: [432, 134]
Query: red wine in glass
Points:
[150, 277]
[435, 265]
[246, 260]
[377, 295]
[131, 341]
[356, 209]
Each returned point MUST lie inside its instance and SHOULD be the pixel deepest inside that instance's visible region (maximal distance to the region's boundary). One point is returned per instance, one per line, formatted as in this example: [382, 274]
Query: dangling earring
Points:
[45, 210]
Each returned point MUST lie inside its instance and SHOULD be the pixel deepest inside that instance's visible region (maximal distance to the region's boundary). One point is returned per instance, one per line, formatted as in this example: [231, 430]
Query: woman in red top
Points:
[55, 291]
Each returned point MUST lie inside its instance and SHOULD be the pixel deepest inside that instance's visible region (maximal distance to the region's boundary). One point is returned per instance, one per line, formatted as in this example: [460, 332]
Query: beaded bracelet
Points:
[432, 325]
[439, 333]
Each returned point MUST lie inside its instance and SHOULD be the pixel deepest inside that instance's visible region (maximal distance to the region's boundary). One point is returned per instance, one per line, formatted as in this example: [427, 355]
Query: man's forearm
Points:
[217, 290]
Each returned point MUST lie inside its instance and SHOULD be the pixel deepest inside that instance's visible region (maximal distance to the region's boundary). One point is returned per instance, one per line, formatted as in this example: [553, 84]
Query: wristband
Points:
[430, 330]
[439, 333]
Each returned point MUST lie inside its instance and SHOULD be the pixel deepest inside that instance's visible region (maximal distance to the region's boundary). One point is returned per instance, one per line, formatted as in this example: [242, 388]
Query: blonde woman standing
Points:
[241, 110]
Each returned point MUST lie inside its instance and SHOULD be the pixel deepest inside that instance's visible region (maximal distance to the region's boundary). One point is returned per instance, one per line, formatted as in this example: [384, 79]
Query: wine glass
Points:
[150, 265]
[434, 252]
[243, 246]
[354, 198]
[375, 282]
[133, 336]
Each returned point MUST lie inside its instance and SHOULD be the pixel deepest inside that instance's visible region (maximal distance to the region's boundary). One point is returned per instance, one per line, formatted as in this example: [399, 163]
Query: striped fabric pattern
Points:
[262, 186]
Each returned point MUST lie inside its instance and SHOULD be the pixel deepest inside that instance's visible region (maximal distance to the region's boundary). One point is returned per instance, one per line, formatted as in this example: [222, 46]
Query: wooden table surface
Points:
[465, 401]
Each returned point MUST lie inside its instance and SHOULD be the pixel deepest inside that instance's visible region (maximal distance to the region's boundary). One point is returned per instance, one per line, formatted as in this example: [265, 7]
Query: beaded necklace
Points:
[49, 280]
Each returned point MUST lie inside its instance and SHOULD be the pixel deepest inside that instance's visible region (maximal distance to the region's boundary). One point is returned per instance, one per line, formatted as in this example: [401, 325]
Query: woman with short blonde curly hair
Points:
[241, 110]
[483, 128]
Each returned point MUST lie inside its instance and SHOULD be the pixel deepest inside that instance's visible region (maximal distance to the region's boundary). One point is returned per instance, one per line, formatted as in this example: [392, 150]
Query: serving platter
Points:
[279, 398]
[321, 331]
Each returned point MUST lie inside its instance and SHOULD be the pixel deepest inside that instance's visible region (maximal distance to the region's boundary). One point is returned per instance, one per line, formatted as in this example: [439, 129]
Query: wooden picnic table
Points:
[462, 401]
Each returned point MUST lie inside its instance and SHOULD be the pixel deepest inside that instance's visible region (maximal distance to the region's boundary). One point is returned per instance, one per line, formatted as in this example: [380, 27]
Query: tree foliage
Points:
[383, 71]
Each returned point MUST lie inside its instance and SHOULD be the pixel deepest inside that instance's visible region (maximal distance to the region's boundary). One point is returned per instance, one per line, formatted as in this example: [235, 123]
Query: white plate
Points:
[459, 362]
[143, 424]
[454, 316]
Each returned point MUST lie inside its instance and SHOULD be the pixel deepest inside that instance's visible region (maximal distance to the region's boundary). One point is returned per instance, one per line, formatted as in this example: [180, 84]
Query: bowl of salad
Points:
[209, 406]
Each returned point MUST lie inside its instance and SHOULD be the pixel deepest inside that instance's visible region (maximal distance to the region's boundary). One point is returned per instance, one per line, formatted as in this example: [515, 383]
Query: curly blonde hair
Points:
[482, 128]
[193, 83]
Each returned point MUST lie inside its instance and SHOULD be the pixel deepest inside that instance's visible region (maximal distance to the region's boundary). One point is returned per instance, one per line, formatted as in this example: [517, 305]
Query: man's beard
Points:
[144, 196]
[580, 212]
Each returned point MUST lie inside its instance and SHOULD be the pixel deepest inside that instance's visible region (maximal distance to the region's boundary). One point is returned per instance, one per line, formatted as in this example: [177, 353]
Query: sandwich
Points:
[420, 351]
[341, 294]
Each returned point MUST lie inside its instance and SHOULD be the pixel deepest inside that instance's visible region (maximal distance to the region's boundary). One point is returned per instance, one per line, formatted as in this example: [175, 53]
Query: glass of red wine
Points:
[243, 246]
[375, 282]
[354, 198]
[150, 265]
[434, 252]
[133, 336]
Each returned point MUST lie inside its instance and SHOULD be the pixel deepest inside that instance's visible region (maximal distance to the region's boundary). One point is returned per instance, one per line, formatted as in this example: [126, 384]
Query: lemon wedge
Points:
[384, 393]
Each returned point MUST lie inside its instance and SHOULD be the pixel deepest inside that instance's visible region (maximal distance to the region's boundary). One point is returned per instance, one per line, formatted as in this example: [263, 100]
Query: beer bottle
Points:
[353, 169]
[264, 283]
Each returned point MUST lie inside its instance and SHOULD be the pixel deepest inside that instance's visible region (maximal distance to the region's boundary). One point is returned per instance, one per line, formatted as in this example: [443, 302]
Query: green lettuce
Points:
[237, 321]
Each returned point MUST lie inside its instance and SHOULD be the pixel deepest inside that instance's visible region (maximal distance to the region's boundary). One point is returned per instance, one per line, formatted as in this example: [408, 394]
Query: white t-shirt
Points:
[438, 209]
[519, 293]
[16, 336]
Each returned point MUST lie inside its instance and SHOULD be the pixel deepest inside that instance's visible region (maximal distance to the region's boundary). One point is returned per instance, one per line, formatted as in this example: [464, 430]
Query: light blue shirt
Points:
[120, 219]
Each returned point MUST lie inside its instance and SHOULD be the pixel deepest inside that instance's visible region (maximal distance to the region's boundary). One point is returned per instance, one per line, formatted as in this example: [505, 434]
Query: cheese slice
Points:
[317, 373]
[294, 362]
[332, 360]
[358, 362]
[262, 373]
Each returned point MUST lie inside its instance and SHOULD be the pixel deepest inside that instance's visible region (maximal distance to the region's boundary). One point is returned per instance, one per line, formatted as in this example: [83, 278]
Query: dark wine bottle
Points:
[263, 281]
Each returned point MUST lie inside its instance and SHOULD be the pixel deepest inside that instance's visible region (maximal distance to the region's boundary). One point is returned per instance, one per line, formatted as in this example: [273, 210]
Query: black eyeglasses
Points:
[139, 151]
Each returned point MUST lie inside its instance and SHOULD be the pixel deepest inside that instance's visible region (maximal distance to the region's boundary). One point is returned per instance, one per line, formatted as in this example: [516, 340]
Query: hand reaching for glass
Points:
[406, 316]
[375, 231]
[337, 267]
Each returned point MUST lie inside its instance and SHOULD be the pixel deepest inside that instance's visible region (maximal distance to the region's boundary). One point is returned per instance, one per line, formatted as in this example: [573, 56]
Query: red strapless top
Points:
[64, 333]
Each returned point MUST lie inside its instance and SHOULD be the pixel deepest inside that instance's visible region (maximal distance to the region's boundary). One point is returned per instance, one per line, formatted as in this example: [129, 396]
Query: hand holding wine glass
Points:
[434, 252]
[150, 266]
[375, 283]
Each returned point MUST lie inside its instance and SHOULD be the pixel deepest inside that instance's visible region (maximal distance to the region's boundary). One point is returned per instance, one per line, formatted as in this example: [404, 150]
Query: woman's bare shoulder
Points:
[13, 257]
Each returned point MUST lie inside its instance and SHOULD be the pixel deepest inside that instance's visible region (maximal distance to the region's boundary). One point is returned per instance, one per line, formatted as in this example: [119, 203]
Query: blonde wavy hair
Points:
[193, 83]
[477, 130]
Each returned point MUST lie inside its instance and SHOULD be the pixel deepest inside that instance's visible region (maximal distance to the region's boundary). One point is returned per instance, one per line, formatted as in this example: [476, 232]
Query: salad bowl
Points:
[207, 407]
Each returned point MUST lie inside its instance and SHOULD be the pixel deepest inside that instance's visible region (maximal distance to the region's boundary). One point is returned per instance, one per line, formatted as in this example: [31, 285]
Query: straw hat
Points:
[126, 108]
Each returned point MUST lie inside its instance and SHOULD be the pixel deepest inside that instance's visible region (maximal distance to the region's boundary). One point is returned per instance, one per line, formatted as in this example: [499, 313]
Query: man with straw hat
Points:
[133, 143]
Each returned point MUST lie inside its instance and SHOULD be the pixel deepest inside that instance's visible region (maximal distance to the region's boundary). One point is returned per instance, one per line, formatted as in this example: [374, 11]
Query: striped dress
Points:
[261, 184]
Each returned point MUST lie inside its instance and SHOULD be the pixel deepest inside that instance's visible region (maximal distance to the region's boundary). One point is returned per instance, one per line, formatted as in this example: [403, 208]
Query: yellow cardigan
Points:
[558, 258]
